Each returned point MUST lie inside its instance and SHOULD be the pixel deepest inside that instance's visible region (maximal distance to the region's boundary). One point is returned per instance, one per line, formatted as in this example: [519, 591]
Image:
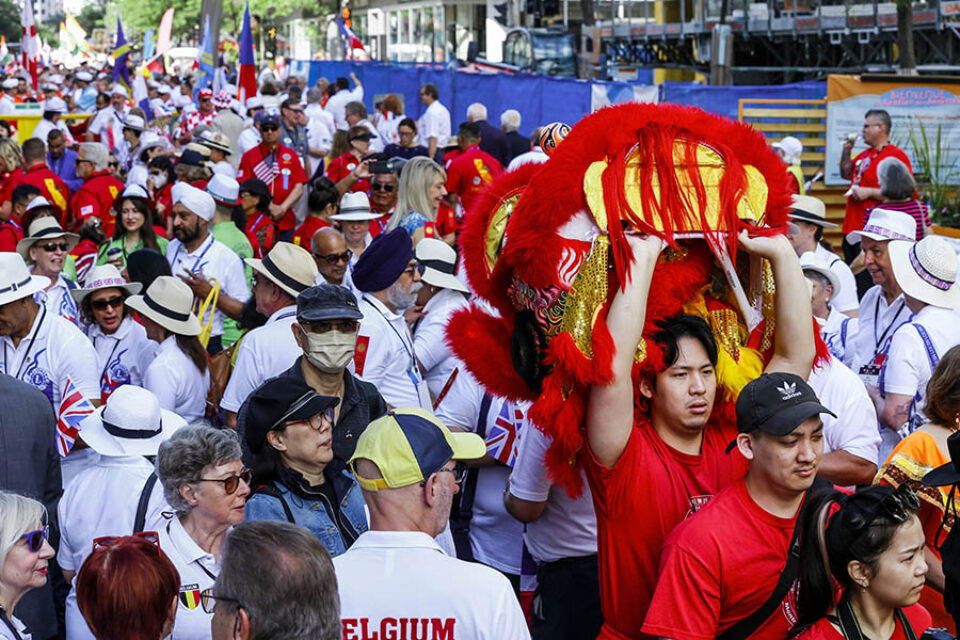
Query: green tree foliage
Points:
[91, 17]
[9, 21]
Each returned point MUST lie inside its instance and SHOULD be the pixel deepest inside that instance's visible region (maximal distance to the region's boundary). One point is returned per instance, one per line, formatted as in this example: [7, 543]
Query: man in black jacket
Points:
[492, 139]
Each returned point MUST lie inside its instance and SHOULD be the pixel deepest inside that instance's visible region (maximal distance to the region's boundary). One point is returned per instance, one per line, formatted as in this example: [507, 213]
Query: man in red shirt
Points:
[645, 478]
[472, 170]
[99, 191]
[721, 567]
[279, 167]
[862, 172]
[37, 173]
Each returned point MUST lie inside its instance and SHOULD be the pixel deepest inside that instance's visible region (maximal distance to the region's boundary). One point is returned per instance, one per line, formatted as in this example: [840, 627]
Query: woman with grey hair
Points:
[24, 551]
[419, 197]
[899, 191]
[206, 484]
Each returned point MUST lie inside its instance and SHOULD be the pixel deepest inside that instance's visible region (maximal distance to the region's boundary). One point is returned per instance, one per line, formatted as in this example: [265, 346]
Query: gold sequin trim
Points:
[586, 297]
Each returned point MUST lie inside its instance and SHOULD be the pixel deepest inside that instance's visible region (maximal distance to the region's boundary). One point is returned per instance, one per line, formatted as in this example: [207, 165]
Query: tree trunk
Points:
[908, 59]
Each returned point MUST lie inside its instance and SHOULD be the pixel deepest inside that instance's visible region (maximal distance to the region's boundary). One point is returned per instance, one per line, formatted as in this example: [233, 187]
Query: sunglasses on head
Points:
[150, 536]
[231, 484]
[380, 186]
[36, 538]
[50, 247]
[334, 258]
[100, 305]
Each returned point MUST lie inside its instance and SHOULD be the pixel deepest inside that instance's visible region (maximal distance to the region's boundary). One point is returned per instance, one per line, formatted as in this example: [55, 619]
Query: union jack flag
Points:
[266, 169]
[504, 435]
[73, 409]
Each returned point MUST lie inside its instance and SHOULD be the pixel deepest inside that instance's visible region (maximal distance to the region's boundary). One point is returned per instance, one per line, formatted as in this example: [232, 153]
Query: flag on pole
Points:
[205, 60]
[121, 54]
[28, 45]
[74, 407]
[5, 57]
[247, 81]
[353, 42]
[163, 34]
[78, 37]
[149, 46]
[140, 95]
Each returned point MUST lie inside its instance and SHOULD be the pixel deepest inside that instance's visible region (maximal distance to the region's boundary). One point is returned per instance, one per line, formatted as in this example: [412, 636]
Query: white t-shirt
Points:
[430, 338]
[534, 156]
[177, 382]
[567, 528]
[104, 119]
[839, 332]
[94, 505]
[385, 355]
[496, 538]
[337, 104]
[434, 123]
[264, 353]
[854, 430]
[420, 587]
[198, 570]
[217, 261]
[7, 105]
[57, 299]
[123, 356]
[845, 299]
[44, 127]
[387, 125]
[248, 139]
[877, 323]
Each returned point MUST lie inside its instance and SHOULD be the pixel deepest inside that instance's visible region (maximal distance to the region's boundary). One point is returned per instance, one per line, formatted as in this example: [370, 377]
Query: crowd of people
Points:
[229, 407]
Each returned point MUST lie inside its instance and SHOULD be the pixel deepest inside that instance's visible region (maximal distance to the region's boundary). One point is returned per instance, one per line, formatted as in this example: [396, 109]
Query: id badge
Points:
[423, 392]
[870, 375]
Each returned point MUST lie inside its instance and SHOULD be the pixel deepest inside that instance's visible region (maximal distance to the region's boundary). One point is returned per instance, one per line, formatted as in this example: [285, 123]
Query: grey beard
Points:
[401, 299]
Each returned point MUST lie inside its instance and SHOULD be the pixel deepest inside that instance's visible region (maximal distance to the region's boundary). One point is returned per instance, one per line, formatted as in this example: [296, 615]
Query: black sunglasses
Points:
[334, 258]
[36, 538]
[268, 127]
[378, 186]
[53, 246]
[231, 484]
[100, 305]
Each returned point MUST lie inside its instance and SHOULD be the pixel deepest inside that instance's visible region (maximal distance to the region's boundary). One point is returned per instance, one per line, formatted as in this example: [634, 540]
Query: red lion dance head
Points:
[545, 247]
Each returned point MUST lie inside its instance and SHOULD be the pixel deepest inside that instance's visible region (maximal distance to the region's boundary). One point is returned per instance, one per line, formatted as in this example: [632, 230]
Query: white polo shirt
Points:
[104, 119]
[385, 355]
[264, 353]
[907, 368]
[839, 332]
[845, 299]
[430, 338]
[59, 301]
[496, 538]
[567, 528]
[122, 356]
[248, 139]
[198, 570]
[419, 591]
[876, 324]
[854, 430]
[178, 384]
[217, 261]
[21, 630]
[434, 123]
[337, 105]
[93, 506]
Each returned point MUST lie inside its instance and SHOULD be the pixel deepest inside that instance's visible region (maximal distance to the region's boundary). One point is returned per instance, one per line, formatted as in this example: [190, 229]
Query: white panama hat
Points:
[290, 267]
[884, 224]
[41, 229]
[355, 206]
[810, 261]
[437, 262]
[16, 281]
[926, 271]
[131, 423]
[104, 276]
[168, 301]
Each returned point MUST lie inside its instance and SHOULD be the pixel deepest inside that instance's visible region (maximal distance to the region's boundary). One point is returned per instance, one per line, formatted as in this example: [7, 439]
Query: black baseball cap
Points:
[278, 401]
[776, 403]
[327, 302]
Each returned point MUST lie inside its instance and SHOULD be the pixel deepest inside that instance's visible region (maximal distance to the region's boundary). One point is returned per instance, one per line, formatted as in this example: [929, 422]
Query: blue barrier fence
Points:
[539, 99]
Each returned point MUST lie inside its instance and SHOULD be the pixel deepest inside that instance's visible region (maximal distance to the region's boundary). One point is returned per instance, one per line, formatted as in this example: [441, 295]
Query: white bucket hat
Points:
[437, 262]
[131, 423]
[884, 224]
[44, 229]
[104, 276]
[55, 105]
[169, 303]
[810, 261]
[16, 281]
[926, 271]
[791, 147]
[134, 122]
[290, 267]
[809, 209]
[355, 206]
[224, 190]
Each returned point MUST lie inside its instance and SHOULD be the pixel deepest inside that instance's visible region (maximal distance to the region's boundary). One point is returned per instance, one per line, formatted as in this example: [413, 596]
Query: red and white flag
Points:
[266, 169]
[74, 407]
[28, 45]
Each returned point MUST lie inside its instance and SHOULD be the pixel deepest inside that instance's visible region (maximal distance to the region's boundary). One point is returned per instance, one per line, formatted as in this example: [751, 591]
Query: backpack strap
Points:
[271, 490]
[141, 518]
[469, 492]
[843, 332]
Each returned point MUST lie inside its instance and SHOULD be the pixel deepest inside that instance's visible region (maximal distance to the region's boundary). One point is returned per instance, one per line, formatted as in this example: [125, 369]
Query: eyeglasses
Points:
[459, 471]
[113, 164]
[324, 326]
[150, 536]
[405, 133]
[316, 422]
[100, 305]
[381, 186]
[36, 538]
[80, 161]
[208, 601]
[295, 110]
[54, 246]
[334, 258]
[268, 127]
[231, 484]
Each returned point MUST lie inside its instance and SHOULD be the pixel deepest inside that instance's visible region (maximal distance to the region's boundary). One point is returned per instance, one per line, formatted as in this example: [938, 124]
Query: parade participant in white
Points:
[809, 217]
[434, 124]
[440, 296]
[7, 105]
[196, 257]
[123, 349]
[108, 123]
[927, 273]
[97, 502]
[207, 486]
[178, 374]
[269, 350]
[46, 248]
[408, 465]
[24, 554]
[839, 330]
[53, 110]
[337, 103]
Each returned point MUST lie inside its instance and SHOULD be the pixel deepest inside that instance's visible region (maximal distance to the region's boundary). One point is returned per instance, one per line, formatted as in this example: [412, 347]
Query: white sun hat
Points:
[810, 261]
[290, 267]
[44, 229]
[131, 423]
[884, 224]
[926, 271]
[355, 207]
[16, 281]
[104, 276]
[168, 301]
[437, 262]
[809, 209]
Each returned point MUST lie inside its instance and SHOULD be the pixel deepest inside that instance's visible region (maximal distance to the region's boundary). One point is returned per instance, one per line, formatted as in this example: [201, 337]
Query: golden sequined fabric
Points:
[587, 296]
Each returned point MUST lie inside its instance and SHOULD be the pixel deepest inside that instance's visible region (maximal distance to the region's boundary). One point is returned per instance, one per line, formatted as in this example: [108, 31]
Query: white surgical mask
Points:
[159, 180]
[331, 351]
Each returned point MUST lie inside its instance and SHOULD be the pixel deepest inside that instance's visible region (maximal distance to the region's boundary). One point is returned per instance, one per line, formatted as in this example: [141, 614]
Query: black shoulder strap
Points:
[850, 626]
[747, 626]
[470, 484]
[141, 519]
[270, 490]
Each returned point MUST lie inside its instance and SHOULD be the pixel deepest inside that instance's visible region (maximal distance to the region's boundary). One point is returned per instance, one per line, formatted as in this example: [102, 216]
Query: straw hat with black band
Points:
[355, 206]
[169, 303]
[437, 263]
[45, 229]
[810, 209]
[288, 266]
[131, 423]
[16, 281]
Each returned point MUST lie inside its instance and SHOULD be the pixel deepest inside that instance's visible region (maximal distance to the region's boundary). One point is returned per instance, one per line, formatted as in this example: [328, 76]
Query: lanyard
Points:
[408, 349]
[865, 163]
[103, 373]
[26, 355]
[876, 317]
[199, 258]
[196, 562]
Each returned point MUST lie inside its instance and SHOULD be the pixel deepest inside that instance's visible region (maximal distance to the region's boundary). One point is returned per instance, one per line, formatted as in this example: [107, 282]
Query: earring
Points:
[956, 422]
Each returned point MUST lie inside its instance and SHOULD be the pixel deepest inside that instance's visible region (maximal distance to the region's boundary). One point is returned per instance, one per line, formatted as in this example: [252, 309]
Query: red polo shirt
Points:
[865, 175]
[8, 181]
[289, 173]
[340, 168]
[304, 233]
[52, 187]
[470, 172]
[95, 198]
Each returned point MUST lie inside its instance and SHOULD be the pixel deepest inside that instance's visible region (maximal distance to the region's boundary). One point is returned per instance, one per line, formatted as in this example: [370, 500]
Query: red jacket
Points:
[95, 198]
[52, 187]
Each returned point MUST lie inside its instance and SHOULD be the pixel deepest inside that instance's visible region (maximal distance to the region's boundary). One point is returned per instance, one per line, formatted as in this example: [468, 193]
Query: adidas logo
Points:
[789, 390]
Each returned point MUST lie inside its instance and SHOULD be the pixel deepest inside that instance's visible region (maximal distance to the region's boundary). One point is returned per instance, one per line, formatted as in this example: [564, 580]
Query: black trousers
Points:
[566, 605]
